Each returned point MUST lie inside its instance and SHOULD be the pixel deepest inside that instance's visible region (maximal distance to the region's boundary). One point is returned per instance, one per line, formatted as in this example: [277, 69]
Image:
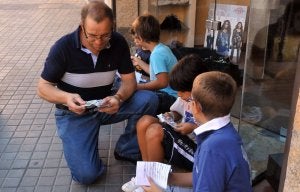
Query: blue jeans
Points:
[79, 134]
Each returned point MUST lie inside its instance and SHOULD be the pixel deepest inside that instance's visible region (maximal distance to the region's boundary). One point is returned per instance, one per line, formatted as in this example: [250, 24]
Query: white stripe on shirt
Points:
[89, 80]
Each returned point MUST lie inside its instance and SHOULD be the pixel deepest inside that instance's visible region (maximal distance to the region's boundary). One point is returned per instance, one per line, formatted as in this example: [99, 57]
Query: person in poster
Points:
[223, 39]
[209, 39]
[236, 41]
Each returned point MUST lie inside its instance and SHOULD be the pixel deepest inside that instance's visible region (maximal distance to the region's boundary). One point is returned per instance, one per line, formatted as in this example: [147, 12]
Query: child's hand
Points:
[185, 128]
[137, 62]
[153, 187]
[169, 115]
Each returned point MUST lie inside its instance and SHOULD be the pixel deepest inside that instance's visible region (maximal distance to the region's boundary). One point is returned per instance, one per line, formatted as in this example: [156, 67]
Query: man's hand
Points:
[110, 105]
[76, 104]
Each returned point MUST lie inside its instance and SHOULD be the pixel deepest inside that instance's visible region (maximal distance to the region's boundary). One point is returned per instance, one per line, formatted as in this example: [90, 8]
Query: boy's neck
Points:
[151, 45]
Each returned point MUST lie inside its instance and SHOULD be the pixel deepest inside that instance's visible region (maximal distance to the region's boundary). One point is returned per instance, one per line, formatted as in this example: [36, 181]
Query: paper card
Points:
[159, 173]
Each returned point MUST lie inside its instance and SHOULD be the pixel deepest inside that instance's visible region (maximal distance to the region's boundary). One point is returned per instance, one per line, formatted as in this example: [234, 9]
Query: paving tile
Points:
[27, 147]
[10, 189]
[112, 188]
[16, 141]
[33, 172]
[42, 147]
[20, 134]
[36, 163]
[16, 173]
[11, 182]
[34, 133]
[50, 163]
[12, 148]
[5, 164]
[25, 189]
[39, 155]
[20, 164]
[78, 188]
[30, 141]
[49, 172]
[3, 173]
[46, 181]
[24, 155]
[61, 188]
[54, 155]
[62, 180]
[29, 181]
[43, 188]
[8, 155]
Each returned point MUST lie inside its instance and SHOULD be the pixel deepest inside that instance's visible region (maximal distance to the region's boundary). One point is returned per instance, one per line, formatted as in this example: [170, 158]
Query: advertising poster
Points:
[228, 40]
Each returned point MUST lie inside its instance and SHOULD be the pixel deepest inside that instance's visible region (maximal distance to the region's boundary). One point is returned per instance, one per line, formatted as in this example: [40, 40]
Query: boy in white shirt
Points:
[161, 142]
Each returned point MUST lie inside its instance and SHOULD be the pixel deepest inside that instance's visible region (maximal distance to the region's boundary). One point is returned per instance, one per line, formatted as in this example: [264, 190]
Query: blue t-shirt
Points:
[74, 71]
[162, 60]
[221, 163]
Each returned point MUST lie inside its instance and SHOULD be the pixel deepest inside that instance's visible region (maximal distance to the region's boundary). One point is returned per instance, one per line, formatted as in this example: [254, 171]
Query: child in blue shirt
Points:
[221, 163]
[146, 33]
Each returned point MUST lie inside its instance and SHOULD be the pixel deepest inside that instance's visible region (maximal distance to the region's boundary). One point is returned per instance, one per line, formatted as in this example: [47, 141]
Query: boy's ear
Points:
[198, 107]
[198, 113]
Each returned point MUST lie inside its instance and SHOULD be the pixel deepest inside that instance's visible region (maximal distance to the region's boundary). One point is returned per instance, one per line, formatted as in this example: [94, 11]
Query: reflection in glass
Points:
[270, 68]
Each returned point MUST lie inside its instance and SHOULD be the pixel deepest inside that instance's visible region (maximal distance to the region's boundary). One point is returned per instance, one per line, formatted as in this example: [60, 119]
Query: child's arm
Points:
[153, 187]
[176, 179]
[162, 81]
[181, 179]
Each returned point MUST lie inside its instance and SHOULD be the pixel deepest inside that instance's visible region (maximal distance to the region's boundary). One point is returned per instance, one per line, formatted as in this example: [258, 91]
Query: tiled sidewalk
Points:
[31, 157]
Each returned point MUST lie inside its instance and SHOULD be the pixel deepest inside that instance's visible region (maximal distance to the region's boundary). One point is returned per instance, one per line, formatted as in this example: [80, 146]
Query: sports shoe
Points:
[139, 189]
[131, 187]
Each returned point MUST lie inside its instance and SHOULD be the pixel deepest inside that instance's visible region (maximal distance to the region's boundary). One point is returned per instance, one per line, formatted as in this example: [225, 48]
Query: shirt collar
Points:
[213, 124]
[77, 38]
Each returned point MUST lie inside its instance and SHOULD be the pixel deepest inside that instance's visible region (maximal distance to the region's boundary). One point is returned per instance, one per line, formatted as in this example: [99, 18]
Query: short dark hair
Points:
[98, 10]
[146, 27]
[215, 91]
[185, 71]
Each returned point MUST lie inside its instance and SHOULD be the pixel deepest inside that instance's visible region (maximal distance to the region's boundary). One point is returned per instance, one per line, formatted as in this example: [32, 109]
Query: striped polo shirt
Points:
[73, 70]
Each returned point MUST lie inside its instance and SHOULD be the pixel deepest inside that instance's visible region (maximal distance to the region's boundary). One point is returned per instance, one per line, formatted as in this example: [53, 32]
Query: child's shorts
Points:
[179, 149]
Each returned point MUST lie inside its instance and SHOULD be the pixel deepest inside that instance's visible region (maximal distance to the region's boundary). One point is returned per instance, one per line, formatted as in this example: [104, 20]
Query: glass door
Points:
[269, 77]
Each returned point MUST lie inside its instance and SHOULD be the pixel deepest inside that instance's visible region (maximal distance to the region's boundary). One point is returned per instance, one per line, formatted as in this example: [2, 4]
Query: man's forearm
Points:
[50, 92]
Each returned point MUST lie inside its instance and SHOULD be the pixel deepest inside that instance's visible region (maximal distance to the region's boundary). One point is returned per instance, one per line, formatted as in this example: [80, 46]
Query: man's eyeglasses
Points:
[90, 37]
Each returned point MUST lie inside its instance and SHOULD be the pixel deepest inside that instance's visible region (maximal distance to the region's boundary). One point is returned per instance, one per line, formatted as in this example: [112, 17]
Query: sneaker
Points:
[139, 189]
[130, 186]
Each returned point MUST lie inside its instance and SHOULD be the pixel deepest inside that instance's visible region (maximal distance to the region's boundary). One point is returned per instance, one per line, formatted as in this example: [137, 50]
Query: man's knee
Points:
[86, 175]
[148, 97]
